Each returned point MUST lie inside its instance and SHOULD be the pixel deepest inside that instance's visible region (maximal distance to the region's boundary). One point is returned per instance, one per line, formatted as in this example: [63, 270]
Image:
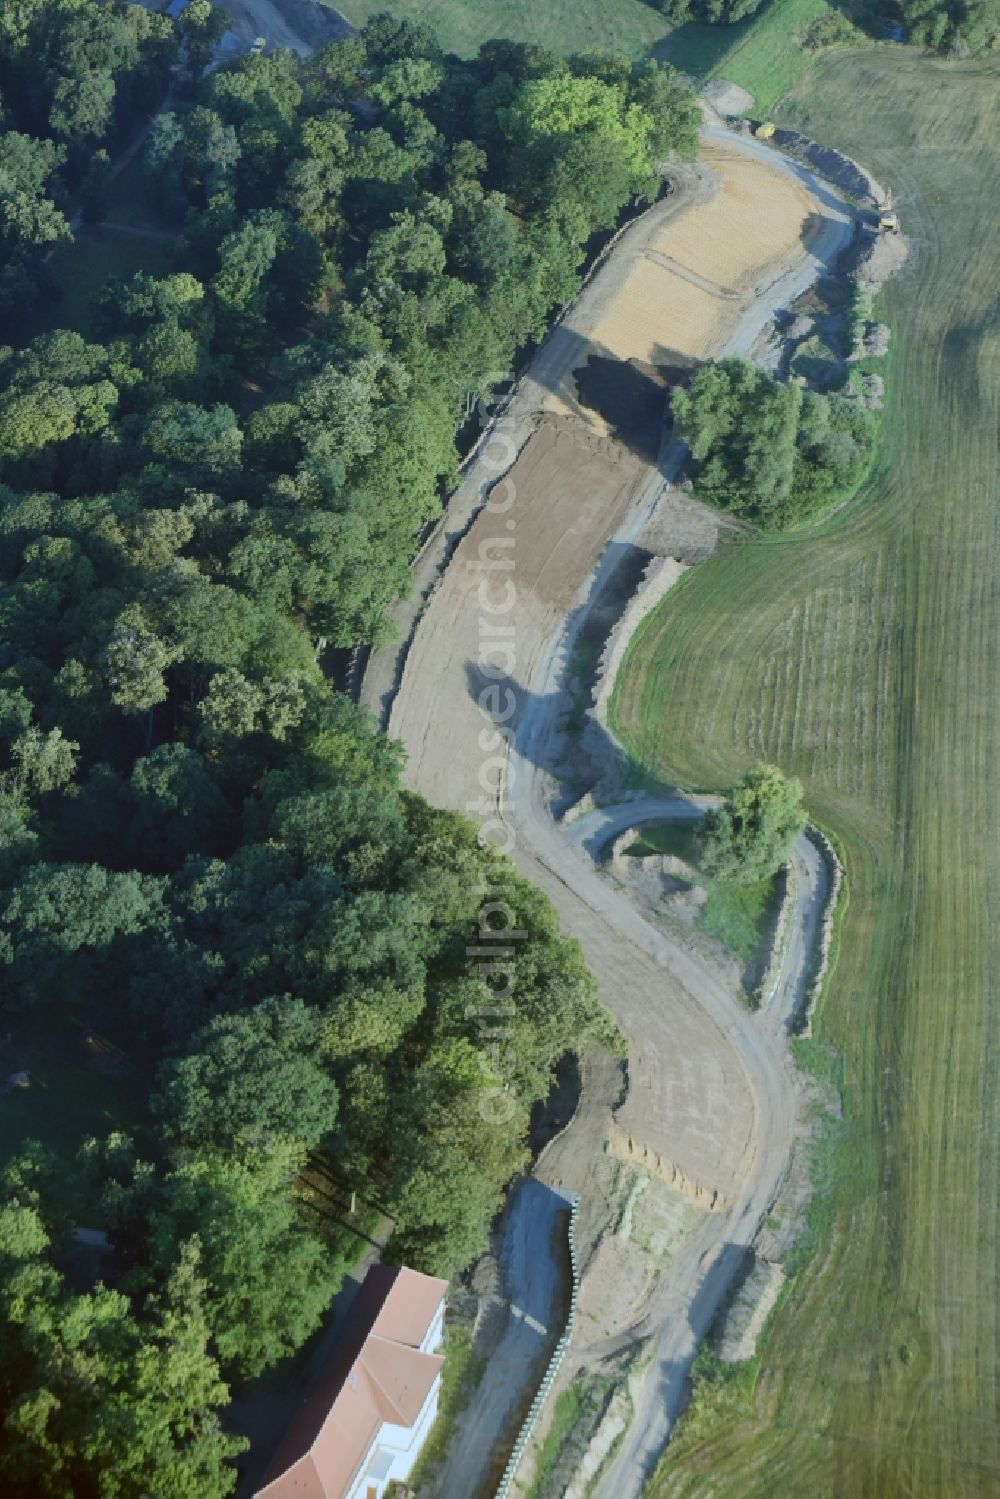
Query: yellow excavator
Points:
[765, 130]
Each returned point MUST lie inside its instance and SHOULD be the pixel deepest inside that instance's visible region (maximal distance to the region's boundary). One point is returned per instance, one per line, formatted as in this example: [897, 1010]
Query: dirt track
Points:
[534, 1268]
[710, 1094]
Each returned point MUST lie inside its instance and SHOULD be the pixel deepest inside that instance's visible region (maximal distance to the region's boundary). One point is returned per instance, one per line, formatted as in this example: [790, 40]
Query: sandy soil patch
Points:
[566, 491]
[756, 221]
[679, 283]
[660, 315]
[728, 98]
[630, 1259]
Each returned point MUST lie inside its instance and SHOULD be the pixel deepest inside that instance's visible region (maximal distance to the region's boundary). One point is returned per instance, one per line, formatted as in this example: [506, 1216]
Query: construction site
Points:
[568, 512]
[678, 1155]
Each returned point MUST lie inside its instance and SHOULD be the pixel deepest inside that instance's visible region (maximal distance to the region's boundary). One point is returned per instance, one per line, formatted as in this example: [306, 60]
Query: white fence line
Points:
[554, 1365]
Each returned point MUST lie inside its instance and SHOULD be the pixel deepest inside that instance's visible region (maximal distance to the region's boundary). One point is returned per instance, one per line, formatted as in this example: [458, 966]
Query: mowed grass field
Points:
[864, 656]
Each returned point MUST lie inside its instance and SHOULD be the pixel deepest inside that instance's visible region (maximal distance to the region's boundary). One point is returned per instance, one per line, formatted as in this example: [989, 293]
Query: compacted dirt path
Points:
[534, 1259]
[477, 691]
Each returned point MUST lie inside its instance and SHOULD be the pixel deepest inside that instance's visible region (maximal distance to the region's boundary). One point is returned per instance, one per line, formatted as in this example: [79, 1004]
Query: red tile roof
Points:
[380, 1376]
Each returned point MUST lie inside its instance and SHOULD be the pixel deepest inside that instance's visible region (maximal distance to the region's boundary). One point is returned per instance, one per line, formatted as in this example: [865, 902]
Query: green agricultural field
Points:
[862, 656]
[763, 54]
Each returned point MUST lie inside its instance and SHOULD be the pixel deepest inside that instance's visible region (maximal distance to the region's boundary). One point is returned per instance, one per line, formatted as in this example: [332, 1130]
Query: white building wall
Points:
[402, 1443]
[434, 1333]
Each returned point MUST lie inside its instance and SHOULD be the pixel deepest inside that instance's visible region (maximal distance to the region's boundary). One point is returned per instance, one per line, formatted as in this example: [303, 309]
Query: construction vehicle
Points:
[765, 130]
[887, 219]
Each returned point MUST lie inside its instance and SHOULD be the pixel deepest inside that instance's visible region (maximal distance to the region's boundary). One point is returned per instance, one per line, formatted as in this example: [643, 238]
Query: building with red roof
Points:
[365, 1422]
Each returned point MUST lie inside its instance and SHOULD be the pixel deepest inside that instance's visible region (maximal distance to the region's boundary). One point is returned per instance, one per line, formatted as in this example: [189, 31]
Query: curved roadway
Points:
[681, 1311]
[593, 832]
[712, 1089]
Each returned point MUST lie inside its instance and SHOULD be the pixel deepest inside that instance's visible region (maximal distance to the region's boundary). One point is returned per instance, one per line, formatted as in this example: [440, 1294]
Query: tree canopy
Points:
[206, 855]
[74, 79]
[766, 450]
[749, 837]
[955, 27]
[102, 1398]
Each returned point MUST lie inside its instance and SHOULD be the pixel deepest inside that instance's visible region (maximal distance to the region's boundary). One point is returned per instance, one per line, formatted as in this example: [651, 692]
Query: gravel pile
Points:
[876, 342]
[727, 98]
[880, 256]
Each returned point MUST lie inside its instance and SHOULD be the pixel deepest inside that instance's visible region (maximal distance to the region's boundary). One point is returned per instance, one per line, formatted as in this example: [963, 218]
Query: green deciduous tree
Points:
[202, 443]
[43, 762]
[549, 117]
[134, 661]
[201, 27]
[765, 450]
[269, 1279]
[271, 269]
[251, 1079]
[94, 1404]
[749, 836]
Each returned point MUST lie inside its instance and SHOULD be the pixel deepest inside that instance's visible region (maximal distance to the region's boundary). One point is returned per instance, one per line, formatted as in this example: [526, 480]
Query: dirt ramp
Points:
[843, 171]
[672, 293]
[755, 222]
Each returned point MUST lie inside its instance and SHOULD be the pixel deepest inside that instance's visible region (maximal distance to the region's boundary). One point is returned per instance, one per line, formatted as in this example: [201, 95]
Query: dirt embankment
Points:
[846, 174]
[706, 1095]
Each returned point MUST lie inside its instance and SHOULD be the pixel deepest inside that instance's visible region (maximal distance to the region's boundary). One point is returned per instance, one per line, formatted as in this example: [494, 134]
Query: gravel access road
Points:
[703, 1269]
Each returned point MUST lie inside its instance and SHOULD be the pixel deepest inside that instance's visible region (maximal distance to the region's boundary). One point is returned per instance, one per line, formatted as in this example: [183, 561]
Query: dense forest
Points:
[958, 27]
[207, 863]
[74, 79]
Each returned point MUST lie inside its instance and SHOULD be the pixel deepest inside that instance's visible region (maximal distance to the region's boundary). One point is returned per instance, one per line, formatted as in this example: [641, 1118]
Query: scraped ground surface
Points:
[298, 24]
[678, 282]
[710, 1102]
[570, 490]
